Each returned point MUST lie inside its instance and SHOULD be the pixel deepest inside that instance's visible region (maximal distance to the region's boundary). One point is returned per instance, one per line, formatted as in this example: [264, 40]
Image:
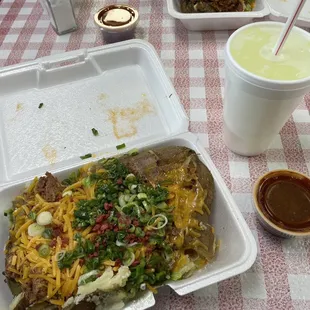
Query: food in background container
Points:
[110, 230]
[204, 6]
[117, 22]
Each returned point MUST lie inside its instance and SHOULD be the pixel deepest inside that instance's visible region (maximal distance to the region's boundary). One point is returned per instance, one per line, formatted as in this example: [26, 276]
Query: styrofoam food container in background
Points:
[78, 90]
[280, 10]
[216, 21]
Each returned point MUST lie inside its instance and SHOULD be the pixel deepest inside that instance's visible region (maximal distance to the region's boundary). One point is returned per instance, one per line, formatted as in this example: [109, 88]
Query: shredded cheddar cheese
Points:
[27, 263]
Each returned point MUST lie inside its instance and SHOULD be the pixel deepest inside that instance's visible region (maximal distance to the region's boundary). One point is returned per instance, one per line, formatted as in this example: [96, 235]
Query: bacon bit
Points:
[148, 233]
[96, 227]
[64, 240]
[106, 206]
[101, 217]
[95, 254]
[38, 247]
[118, 262]
[149, 250]
[97, 245]
[135, 223]
[131, 237]
[57, 231]
[119, 181]
[53, 243]
[135, 263]
[104, 227]
[104, 243]
[115, 229]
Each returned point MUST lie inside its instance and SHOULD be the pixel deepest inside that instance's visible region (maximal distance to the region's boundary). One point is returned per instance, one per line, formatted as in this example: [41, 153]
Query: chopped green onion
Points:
[130, 178]
[35, 230]
[86, 156]
[44, 250]
[133, 152]
[139, 232]
[146, 206]
[121, 200]
[32, 215]
[40, 105]
[7, 212]
[131, 228]
[133, 188]
[121, 146]
[85, 278]
[152, 220]
[162, 206]
[142, 196]
[128, 258]
[47, 233]
[95, 132]
[60, 255]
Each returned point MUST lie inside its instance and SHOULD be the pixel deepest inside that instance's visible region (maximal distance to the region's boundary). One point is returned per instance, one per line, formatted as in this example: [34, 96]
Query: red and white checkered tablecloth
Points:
[280, 277]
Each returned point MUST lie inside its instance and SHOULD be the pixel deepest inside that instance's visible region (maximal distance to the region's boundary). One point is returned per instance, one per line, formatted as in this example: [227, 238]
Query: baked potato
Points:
[110, 230]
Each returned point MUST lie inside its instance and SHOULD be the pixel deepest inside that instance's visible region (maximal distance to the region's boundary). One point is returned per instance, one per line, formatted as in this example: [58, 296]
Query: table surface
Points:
[280, 277]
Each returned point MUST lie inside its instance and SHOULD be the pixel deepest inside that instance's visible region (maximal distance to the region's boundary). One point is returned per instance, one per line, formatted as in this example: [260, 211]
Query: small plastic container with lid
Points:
[117, 22]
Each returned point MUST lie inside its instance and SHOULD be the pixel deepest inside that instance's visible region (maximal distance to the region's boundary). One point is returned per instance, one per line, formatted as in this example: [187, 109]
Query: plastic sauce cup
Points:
[256, 107]
[117, 22]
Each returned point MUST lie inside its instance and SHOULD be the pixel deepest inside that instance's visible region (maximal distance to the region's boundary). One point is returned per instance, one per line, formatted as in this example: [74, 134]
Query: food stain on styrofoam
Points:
[19, 107]
[103, 96]
[124, 120]
[50, 153]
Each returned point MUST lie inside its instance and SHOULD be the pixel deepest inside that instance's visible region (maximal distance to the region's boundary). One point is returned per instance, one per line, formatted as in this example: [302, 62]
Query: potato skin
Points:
[151, 166]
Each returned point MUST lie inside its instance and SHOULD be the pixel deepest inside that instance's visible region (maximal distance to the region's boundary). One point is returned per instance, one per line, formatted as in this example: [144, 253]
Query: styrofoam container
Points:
[216, 21]
[78, 90]
[280, 10]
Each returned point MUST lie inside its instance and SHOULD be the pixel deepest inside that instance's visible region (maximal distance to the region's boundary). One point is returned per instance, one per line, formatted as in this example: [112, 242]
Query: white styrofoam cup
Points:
[256, 108]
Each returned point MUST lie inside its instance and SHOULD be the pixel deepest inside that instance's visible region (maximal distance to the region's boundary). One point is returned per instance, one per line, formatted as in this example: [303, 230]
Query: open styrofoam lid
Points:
[282, 9]
[121, 90]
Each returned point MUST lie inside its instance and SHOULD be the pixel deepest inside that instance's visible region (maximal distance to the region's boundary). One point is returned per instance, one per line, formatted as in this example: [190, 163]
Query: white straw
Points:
[288, 26]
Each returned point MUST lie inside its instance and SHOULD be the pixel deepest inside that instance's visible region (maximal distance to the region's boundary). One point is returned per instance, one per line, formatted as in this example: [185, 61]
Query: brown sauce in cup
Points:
[284, 198]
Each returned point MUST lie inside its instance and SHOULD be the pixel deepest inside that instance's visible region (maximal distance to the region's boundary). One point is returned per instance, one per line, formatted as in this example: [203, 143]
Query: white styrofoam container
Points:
[278, 10]
[78, 89]
[216, 21]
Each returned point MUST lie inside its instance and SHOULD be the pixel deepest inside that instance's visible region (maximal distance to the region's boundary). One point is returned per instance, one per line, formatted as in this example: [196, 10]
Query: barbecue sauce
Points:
[284, 198]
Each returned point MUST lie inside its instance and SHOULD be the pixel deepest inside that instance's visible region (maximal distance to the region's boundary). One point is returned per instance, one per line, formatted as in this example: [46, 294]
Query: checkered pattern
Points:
[280, 277]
